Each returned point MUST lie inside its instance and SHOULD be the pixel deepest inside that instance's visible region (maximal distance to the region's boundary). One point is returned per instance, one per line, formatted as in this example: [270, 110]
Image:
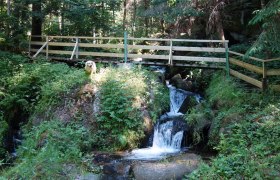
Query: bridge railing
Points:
[260, 72]
[138, 49]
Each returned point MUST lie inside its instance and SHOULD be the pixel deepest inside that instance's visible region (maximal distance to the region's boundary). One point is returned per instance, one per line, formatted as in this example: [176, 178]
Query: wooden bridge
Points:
[157, 51]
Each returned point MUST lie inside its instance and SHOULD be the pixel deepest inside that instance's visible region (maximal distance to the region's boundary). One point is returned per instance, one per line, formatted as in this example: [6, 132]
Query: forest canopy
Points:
[254, 23]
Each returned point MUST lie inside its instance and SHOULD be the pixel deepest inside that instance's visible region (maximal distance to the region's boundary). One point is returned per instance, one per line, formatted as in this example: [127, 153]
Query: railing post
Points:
[29, 46]
[47, 47]
[264, 79]
[227, 59]
[125, 46]
[77, 48]
[170, 62]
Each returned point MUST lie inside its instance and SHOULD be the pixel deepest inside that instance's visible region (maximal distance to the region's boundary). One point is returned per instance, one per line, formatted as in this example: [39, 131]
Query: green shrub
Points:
[48, 151]
[3, 129]
[245, 131]
[124, 93]
[250, 151]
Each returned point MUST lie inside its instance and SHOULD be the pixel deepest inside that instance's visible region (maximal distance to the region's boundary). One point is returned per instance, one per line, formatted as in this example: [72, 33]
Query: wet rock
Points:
[117, 169]
[148, 122]
[178, 82]
[179, 125]
[89, 176]
[174, 168]
[188, 103]
[104, 158]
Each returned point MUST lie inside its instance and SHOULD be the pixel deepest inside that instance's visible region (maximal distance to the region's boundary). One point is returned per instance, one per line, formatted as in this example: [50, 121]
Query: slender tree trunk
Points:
[134, 18]
[262, 4]
[162, 26]
[8, 7]
[146, 6]
[36, 20]
[124, 14]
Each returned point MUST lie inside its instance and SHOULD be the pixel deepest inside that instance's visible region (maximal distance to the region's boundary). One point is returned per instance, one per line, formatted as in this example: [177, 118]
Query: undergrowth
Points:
[57, 149]
[28, 87]
[125, 93]
[50, 150]
[244, 128]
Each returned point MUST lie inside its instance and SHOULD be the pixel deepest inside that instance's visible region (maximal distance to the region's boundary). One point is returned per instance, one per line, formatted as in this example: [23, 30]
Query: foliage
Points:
[35, 85]
[124, 93]
[251, 150]
[52, 150]
[244, 129]
[268, 41]
[29, 88]
[3, 129]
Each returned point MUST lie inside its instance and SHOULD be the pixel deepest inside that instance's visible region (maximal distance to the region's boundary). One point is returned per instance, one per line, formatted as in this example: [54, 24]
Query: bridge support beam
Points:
[227, 60]
[125, 47]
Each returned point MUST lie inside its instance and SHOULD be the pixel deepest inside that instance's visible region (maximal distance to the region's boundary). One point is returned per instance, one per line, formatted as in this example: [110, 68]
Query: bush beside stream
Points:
[244, 128]
[59, 128]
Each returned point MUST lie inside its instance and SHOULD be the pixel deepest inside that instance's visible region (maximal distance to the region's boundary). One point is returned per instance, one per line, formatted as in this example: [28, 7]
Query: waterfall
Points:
[177, 98]
[165, 140]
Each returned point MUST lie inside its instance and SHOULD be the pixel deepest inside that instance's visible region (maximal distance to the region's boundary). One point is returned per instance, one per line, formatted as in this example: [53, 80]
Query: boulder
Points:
[172, 168]
[117, 169]
[179, 83]
[188, 103]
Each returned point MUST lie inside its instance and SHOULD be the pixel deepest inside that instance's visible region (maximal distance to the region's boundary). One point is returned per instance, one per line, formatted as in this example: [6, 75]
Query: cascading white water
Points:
[177, 98]
[164, 142]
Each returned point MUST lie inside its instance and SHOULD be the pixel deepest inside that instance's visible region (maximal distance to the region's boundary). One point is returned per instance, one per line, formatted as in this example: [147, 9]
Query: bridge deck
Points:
[154, 51]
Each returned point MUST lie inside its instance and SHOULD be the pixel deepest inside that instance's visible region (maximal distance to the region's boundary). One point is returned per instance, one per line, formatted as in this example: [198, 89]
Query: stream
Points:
[146, 163]
[166, 138]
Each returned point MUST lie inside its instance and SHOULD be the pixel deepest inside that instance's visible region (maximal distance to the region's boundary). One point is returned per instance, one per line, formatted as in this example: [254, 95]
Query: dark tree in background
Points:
[36, 19]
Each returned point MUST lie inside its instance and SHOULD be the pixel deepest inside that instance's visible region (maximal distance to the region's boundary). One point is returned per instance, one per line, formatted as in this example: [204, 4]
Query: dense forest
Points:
[58, 122]
[253, 24]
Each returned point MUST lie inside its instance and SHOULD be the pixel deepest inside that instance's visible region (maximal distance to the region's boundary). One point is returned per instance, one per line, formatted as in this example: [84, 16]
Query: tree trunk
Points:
[36, 20]
[134, 18]
[8, 7]
[146, 6]
[124, 14]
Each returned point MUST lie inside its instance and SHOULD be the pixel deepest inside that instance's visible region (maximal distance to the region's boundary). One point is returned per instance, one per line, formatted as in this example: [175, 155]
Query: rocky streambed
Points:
[115, 166]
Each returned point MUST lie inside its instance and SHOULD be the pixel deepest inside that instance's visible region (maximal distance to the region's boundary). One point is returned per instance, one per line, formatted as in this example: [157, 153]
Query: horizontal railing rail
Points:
[264, 71]
[129, 46]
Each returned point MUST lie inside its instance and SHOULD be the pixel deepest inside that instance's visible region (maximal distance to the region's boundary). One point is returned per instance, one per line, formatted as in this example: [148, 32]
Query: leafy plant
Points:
[124, 93]
[49, 150]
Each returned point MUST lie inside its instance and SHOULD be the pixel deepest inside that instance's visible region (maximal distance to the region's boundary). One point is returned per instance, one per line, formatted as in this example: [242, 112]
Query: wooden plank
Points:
[199, 59]
[143, 56]
[164, 48]
[74, 50]
[180, 64]
[40, 50]
[203, 66]
[86, 37]
[274, 59]
[273, 72]
[275, 88]
[247, 66]
[243, 55]
[180, 40]
[246, 78]
[141, 39]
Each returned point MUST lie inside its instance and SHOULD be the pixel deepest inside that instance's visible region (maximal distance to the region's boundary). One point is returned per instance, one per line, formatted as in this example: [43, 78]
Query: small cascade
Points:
[177, 98]
[166, 140]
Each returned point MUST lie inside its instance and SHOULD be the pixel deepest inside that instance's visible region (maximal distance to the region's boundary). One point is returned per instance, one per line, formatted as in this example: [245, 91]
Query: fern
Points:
[269, 40]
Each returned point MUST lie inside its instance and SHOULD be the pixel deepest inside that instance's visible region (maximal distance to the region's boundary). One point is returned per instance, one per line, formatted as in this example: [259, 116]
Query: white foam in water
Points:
[164, 142]
[177, 98]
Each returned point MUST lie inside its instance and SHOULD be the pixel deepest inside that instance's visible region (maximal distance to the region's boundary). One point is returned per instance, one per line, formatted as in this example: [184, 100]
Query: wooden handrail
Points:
[243, 55]
[143, 39]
